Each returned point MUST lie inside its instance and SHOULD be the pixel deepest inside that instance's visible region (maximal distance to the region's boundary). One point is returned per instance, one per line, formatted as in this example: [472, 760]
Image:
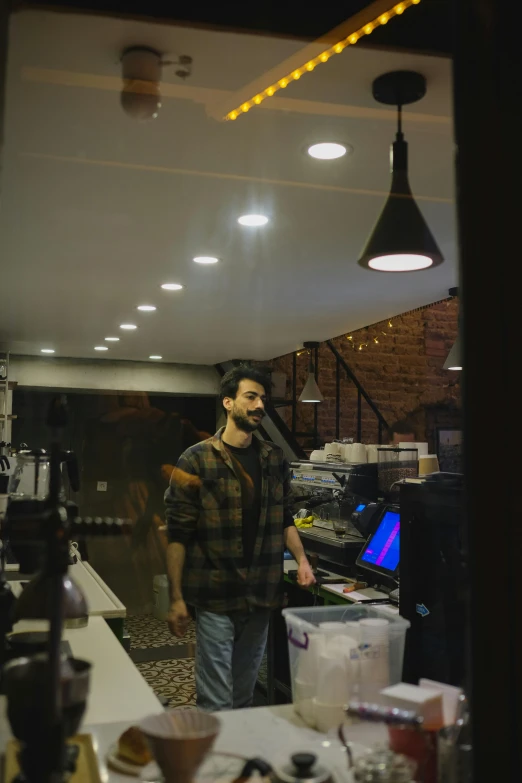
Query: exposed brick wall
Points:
[402, 373]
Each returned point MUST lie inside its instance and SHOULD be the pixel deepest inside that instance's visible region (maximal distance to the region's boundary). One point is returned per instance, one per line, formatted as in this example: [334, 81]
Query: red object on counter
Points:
[420, 746]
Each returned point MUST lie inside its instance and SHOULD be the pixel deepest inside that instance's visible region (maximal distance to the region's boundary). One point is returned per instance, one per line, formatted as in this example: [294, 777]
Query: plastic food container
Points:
[361, 664]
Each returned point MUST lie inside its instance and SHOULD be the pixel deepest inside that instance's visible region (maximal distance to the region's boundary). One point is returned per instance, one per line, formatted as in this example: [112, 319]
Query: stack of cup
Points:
[374, 665]
[305, 683]
[337, 675]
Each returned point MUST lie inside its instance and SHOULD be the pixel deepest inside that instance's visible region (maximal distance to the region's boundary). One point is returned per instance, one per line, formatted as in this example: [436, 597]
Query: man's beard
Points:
[245, 423]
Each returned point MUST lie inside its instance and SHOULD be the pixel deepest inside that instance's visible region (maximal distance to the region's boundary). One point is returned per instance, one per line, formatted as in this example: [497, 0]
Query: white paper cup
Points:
[372, 454]
[359, 453]
[347, 451]
[422, 449]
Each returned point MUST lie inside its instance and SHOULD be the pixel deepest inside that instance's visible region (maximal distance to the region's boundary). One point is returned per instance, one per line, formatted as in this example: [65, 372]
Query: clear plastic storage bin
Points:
[339, 653]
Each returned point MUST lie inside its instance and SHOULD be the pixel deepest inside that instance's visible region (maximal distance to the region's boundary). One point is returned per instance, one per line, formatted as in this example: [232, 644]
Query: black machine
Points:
[433, 581]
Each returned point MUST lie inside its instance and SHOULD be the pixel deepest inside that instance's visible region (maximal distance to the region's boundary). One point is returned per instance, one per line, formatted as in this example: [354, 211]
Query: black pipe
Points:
[337, 399]
[294, 393]
[359, 416]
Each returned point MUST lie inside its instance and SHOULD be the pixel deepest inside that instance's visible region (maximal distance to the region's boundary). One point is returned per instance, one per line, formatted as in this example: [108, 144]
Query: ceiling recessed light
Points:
[128, 327]
[146, 308]
[101, 348]
[112, 339]
[156, 357]
[327, 150]
[172, 287]
[253, 220]
[205, 260]
[47, 350]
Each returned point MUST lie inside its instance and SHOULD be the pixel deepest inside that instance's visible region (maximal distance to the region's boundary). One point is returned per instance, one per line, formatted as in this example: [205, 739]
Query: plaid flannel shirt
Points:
[204, 513]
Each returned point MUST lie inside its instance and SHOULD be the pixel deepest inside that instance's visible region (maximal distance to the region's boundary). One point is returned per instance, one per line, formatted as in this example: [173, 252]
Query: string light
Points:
[324, 57]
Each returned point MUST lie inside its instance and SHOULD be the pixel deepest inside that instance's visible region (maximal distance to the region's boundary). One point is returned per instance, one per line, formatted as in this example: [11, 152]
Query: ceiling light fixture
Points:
[128, 327]
[172, 287]
[146, 308]
[327, 150]
[112, 339]
[323, 57]
[47, 350]
[401, 240]
[156, 358]
[101, 348]
[454, 358]
[311, 391]
[205, 260]
[252, 220]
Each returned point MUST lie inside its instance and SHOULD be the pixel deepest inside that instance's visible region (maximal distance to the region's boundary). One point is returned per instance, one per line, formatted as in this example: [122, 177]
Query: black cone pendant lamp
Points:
[401, 240]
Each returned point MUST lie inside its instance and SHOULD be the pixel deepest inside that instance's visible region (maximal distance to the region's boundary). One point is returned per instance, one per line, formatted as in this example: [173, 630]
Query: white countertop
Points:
[100, 599]
[271, 733]
[118, 692]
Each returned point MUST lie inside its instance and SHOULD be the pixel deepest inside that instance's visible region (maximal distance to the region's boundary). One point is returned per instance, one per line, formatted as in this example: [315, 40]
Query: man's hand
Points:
[305, 575]
[178, 618]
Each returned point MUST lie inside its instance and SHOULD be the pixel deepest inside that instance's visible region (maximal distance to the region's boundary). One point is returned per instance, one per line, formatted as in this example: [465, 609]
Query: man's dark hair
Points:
[231, 380]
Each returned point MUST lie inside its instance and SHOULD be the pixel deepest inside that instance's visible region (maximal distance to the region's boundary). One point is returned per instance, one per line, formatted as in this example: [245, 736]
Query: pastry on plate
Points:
[133, 748]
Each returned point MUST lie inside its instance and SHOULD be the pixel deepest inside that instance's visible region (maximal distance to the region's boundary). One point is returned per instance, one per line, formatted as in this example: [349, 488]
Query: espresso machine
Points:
[46, 690]
[336, 494]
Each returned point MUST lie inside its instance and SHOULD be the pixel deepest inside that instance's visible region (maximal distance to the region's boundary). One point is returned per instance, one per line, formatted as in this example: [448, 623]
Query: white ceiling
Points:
[98, 210]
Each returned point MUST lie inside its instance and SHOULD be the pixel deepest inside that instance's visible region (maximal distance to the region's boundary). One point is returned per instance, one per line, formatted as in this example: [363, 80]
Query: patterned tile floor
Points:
[171, 679]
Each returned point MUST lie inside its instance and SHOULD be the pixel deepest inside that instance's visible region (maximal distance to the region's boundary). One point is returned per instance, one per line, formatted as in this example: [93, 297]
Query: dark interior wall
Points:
[128, 442]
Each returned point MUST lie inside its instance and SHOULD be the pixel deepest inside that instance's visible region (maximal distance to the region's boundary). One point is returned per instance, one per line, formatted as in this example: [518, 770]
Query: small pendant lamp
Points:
[311, 391]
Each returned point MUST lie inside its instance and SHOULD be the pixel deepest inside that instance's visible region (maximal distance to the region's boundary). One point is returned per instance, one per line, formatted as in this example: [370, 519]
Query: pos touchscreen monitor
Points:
[381, 553]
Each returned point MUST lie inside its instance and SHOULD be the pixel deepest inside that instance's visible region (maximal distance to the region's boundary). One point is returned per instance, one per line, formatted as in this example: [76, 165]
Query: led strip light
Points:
[337, 48]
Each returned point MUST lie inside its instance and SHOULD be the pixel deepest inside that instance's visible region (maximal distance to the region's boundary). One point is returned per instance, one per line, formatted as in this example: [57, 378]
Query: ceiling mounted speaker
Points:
[141, 72]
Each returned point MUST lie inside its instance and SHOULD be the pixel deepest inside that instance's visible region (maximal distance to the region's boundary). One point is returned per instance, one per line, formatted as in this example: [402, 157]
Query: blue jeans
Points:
[229, 651]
